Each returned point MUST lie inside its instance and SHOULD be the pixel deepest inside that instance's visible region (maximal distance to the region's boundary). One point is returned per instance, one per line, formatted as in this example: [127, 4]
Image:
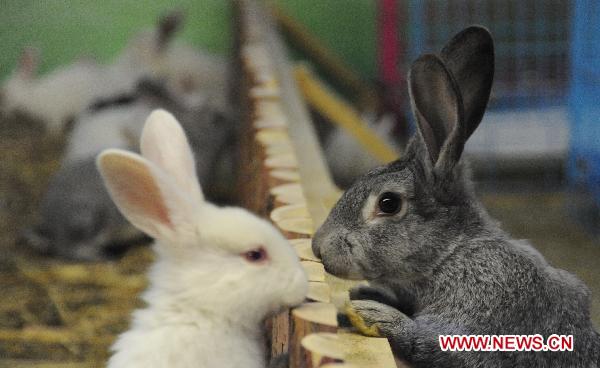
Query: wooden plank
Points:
[285, 162]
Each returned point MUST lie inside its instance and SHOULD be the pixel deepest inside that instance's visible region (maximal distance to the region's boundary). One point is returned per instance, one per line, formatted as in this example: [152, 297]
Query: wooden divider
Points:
[284, 177]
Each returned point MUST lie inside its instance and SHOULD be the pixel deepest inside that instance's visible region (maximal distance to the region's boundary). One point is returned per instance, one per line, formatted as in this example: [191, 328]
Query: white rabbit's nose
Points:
[297, 290]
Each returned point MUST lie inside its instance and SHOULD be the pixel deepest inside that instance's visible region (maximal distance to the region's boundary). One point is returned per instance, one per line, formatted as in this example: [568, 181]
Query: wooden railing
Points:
[284, 177]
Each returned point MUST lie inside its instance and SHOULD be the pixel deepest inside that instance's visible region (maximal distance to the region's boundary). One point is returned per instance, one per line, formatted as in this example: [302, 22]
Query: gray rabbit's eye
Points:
[389, 204]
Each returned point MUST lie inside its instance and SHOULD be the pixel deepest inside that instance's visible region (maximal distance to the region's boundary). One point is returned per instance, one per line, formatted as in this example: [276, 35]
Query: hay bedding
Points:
[53, 313]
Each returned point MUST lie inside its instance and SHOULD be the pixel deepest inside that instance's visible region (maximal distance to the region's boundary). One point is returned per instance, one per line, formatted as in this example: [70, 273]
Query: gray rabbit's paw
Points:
[372, 318]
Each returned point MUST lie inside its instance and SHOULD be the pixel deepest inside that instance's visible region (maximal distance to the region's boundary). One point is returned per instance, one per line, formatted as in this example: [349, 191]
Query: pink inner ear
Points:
[136, 188]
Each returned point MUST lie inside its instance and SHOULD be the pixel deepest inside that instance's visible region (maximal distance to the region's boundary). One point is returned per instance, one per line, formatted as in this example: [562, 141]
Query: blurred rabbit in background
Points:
[77, 219]
[60, 96]
[56, 98]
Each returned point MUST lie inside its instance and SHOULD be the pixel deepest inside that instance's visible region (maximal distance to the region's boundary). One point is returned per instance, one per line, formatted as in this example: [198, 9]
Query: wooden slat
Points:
[282, 159]
[316, 180]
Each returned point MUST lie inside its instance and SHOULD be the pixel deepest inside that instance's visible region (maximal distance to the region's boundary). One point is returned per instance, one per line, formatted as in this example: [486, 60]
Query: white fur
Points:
[66, 92]
[115, 127]
[56, 98]
[206, 302]
[169, 155]
[192, 74]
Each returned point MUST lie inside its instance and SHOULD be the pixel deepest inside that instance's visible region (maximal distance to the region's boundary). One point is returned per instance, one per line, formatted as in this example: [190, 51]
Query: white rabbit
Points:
[193, 74]
[219, 270]
[55, 98]
[114, 127]
[144, 54]
[189, 73]
[60, 96]
[76, 218]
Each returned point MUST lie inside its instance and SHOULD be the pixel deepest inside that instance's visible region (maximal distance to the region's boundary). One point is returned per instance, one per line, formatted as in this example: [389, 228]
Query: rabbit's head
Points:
[154, 42]
[219, 260]
[400, 220]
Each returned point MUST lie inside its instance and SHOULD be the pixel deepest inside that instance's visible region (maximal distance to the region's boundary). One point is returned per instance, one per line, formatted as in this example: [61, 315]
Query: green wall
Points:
[345, 26]
[64, 30]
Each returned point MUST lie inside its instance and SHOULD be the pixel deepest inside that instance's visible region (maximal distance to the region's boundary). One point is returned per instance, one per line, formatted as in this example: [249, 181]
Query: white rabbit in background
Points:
[114, 127]
[219, 271]
[55, 98]
[192, 74]
[188, 72]
[60, 96]
[76, 218]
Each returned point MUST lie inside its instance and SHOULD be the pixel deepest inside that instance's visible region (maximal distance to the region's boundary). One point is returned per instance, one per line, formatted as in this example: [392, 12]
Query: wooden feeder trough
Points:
[285, 178]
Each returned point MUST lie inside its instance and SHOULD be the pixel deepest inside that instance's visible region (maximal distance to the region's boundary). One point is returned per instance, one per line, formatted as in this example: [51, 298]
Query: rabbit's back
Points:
[504, 287]
[482, 273]
[115, 127]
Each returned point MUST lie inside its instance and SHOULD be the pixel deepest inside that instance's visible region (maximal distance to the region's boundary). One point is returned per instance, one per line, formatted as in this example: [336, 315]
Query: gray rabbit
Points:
[77, 218]
[437, 264]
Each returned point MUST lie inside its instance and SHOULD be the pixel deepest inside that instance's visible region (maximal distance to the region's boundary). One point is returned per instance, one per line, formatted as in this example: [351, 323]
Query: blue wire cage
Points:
[584, 100]
[527, 114]
[531, 40]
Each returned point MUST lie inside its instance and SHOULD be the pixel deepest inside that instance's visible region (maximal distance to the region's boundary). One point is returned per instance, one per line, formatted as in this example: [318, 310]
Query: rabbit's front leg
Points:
[415, 340]
[376, 319]
[373, 318]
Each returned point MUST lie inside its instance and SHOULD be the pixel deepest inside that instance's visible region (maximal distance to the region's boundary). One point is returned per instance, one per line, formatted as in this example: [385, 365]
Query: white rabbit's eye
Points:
[256, 255]
[389, 204]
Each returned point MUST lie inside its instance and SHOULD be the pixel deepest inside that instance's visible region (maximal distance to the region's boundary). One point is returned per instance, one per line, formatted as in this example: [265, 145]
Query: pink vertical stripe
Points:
[389, 44]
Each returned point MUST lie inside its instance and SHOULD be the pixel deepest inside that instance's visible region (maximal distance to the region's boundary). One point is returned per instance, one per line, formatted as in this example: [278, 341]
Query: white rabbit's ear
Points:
[143, 194]
[164, 143]
[28, 63]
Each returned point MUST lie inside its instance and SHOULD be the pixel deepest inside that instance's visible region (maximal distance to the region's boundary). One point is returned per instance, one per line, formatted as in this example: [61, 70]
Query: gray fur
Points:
[450, 268]
[77, 215]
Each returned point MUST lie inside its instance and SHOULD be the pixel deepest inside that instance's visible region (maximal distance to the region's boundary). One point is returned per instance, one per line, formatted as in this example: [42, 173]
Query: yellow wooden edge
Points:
[341, 113]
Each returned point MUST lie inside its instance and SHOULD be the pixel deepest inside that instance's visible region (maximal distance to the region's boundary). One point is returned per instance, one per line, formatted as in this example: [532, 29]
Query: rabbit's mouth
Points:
[348, 243]
[357, 260]
[345, 269]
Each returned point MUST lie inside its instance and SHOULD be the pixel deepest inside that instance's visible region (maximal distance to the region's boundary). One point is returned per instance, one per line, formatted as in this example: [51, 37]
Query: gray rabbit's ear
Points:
[437, 106]
[469, 56]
